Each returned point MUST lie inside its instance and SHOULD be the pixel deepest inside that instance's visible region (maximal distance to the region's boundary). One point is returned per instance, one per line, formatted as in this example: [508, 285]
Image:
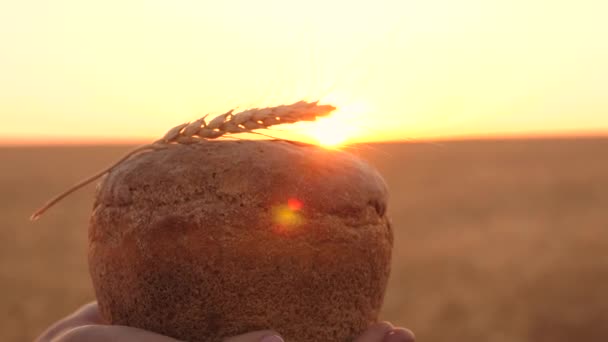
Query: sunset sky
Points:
[73, 70]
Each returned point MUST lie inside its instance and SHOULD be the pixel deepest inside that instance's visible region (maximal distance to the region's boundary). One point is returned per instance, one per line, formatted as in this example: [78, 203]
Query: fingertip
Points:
[272, 338]
[87, 332]
[257, 336]
[88, 309]
[400, 335]
[114, 333]
[88, 313]
[375, 332]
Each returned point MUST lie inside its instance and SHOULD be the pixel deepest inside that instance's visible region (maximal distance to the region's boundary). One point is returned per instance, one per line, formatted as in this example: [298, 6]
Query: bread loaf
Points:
[210, 240]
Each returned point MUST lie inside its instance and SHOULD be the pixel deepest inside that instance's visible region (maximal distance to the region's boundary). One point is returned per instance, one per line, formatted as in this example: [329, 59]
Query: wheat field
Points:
[494, 240]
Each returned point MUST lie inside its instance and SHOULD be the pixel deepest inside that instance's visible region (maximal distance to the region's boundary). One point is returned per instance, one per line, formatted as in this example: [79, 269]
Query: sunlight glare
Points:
[341, 126]
[329, 132]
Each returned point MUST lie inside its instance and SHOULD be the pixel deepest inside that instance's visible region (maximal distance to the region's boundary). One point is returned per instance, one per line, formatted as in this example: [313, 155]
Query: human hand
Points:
[87, 325]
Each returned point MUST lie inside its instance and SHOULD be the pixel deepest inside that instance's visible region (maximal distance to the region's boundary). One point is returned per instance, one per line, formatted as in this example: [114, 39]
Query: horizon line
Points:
[107, 141]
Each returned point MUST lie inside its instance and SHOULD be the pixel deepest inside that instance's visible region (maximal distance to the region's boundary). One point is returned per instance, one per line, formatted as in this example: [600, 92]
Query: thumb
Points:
[257, 336]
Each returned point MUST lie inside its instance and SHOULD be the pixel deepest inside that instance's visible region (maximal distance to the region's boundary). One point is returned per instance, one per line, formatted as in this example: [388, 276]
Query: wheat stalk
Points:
[199, 131]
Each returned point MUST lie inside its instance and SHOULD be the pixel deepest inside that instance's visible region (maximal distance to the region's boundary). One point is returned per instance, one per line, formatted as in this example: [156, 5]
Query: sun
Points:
[330, 132]
[339, 128]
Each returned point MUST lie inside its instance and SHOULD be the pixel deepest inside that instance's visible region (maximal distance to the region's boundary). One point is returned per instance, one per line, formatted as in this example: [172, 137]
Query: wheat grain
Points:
[199, 131]
[245, 121]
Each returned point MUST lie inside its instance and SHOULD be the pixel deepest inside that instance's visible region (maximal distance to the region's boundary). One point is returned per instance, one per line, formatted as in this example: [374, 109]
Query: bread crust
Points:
[200, 242]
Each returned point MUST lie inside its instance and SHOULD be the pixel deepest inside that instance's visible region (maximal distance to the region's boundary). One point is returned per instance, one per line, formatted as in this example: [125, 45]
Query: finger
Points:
[114, 333]
[257, 336]
[86, 315]
[400, 335]
[375, 333]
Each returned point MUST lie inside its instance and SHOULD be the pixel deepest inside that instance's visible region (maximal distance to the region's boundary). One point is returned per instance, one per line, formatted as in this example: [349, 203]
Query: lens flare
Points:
[288, 215]
[294, 204]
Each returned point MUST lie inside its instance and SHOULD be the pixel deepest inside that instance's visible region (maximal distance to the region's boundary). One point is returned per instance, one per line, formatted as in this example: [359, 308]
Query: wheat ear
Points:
[199, 131]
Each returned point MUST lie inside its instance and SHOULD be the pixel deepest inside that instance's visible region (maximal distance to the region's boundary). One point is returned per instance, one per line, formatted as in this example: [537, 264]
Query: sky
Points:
[74, 71]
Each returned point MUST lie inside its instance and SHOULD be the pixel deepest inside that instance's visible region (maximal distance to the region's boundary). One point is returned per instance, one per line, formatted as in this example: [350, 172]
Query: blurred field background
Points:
[495, 240]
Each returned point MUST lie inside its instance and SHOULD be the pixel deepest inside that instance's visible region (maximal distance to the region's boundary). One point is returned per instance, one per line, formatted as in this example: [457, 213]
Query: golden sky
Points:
[73, 69]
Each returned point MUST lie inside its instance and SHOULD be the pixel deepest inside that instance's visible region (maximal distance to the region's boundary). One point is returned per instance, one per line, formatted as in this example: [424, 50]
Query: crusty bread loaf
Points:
[204, 241]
